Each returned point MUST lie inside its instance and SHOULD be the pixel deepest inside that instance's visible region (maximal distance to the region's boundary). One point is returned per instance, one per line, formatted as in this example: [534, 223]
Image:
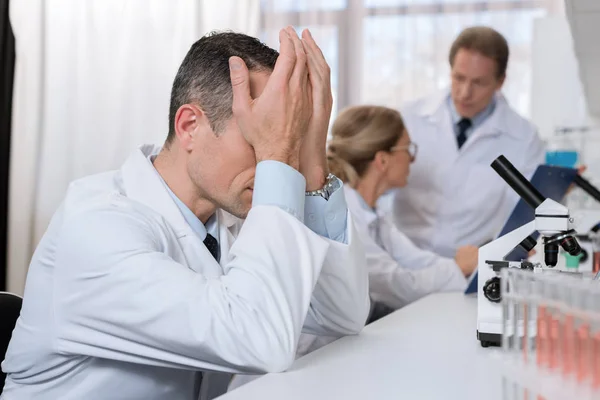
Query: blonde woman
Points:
[371, 152]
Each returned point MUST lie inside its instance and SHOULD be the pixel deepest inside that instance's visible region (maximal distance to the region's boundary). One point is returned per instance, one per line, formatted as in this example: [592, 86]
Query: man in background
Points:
[454, 198]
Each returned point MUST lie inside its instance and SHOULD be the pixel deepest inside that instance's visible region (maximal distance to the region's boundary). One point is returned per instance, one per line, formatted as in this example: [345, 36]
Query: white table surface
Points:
[427, 350]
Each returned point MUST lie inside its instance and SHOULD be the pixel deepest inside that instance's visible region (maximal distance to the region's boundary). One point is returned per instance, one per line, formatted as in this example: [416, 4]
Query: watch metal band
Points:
[325, 191]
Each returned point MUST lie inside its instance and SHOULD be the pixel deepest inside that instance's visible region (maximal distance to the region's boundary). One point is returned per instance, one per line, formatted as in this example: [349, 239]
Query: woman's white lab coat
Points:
[454, 198]
[399, 272]
[135, 311]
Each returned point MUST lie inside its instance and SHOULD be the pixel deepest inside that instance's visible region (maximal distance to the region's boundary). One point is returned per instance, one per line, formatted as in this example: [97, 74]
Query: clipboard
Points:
[552, 182]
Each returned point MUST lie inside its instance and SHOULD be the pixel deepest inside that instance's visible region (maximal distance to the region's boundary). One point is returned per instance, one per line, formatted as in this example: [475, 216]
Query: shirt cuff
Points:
[278, 184]
[327, 218]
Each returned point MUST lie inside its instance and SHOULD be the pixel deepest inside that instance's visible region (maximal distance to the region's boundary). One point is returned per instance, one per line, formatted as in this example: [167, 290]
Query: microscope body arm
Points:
[500, 247]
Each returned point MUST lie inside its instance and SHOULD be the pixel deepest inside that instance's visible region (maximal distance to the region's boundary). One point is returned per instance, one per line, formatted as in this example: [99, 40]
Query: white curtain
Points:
[93, 80]
[390, 51]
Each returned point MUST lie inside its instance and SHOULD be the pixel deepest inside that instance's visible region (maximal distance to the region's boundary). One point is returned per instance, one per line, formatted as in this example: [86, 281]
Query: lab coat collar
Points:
[143, 184]
[435, 108]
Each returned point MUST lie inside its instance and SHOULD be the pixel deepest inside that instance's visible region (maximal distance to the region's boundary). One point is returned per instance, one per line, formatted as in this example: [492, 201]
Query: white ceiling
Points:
[584, 18]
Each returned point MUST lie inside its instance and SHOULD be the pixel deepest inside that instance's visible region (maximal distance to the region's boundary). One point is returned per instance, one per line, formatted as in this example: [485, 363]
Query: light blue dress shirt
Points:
[327, 218]
[476, 121]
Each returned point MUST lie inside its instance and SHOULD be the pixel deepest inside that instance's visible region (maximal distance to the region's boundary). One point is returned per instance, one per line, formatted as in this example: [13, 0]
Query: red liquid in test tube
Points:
[596, 368]
[542, 337]
[554, 342]
[596, 265]
[582, 352]
[568, 345]
[542, 340]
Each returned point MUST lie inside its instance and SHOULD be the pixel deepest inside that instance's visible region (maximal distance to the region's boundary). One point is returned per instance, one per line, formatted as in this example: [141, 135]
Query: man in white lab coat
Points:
[212, 253]
[453, 197]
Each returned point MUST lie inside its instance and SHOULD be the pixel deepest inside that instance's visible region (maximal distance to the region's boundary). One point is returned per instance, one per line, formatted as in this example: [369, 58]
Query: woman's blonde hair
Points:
[358, 134]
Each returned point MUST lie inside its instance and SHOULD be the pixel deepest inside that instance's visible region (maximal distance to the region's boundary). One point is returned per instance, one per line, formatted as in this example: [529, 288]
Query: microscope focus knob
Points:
[491, 290]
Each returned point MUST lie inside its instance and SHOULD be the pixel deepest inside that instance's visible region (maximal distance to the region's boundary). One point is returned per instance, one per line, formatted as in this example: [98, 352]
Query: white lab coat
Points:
[454, 198]
[399, 272]
[136, 304]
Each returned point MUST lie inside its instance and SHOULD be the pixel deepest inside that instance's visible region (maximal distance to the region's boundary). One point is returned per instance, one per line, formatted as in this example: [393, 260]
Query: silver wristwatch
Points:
[332, 183]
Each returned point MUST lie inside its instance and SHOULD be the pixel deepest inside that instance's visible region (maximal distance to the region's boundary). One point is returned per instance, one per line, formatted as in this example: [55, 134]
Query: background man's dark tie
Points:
[463, 125]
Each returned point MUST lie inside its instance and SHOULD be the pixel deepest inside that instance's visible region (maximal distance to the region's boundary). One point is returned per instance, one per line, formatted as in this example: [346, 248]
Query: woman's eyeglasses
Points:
[411, 148]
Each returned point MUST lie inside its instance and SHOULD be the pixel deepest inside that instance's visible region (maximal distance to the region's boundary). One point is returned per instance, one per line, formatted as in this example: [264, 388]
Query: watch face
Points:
[333, 184]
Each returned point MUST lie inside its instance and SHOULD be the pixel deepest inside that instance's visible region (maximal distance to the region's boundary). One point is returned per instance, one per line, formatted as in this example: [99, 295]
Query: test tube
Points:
[519, 312]
[512, 312]
[507, 286]
[542, 336]
[543, 329]
[583, 358]
[553, 318]
[595, 338]
[545, 310]
[523, 299]
[568, 293]
[596, 252]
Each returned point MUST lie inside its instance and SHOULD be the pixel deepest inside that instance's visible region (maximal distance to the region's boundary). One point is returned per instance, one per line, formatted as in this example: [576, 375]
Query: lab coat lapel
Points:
[445, 132]
[446, 151]
[143, 184]
[436, 112]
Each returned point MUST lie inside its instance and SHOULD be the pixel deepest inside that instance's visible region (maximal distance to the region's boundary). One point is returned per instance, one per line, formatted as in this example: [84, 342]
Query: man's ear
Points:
[188, 119]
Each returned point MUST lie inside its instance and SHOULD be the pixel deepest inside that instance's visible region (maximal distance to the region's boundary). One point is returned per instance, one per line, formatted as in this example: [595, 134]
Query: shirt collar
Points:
[476, 120]
[364, 204]
[359, 206]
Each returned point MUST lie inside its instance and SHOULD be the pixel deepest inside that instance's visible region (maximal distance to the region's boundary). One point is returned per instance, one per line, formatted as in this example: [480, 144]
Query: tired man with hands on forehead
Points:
[212, 253]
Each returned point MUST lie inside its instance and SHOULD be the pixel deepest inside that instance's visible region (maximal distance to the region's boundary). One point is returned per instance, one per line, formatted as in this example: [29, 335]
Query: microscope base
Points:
[489, 339]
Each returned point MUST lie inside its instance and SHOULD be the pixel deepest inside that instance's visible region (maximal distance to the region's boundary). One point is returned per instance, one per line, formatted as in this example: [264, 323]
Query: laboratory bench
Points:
[426, 350]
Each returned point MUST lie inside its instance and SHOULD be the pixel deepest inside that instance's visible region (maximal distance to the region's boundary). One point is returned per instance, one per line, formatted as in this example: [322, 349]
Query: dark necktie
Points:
[212, 245]
[463, 125]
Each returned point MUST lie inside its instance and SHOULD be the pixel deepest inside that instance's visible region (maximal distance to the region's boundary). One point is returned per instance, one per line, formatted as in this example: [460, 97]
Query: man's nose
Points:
[465, 91]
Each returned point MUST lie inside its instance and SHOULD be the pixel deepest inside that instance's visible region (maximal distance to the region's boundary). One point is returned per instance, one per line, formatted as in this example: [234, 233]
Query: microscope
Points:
[556, 228]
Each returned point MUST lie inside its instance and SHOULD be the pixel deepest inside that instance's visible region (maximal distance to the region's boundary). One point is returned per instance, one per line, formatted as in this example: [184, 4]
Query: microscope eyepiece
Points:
[517, 181]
